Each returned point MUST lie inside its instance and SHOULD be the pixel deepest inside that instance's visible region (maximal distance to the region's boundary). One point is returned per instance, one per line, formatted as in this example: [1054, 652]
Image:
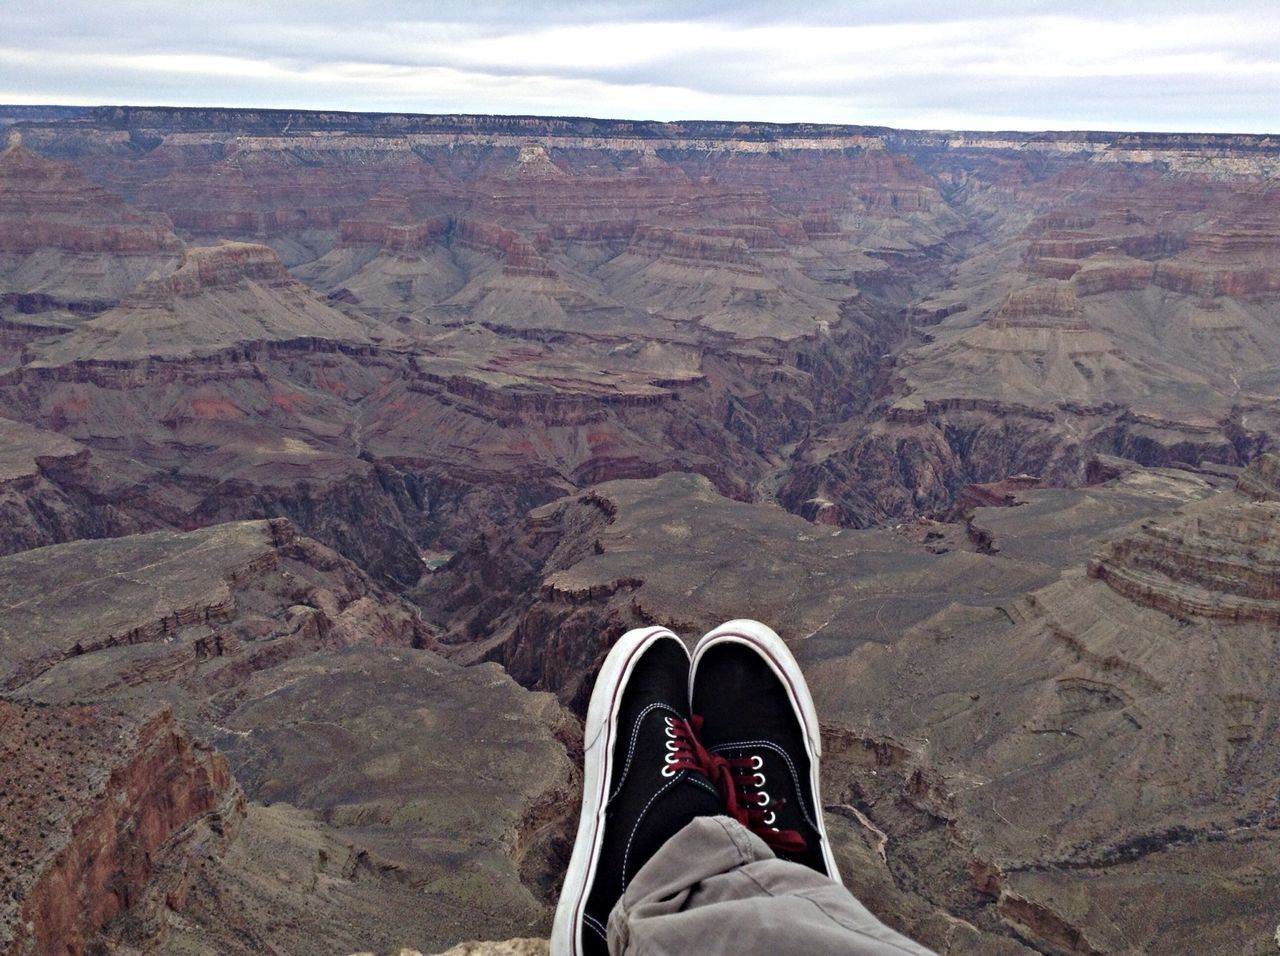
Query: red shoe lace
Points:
[740, 782]
[684, 750]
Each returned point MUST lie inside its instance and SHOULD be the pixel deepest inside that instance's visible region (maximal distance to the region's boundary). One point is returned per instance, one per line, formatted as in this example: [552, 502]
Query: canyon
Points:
[336, 449]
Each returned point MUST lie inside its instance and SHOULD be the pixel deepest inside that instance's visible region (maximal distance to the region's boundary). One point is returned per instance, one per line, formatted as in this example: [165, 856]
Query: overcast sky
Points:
[999, 64]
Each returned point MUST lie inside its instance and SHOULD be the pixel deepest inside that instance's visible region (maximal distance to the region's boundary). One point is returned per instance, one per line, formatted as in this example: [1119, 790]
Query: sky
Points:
[917, 64]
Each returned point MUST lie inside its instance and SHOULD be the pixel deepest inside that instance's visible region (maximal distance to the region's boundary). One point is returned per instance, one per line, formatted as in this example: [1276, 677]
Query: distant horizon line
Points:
[570, 118]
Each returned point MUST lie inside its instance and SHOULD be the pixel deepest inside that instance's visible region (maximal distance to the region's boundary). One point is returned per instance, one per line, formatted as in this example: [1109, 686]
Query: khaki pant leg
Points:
[715, 889]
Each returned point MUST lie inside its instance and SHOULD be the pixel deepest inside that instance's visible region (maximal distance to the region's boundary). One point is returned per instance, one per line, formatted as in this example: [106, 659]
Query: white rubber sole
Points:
[599, 734]
[774, 650]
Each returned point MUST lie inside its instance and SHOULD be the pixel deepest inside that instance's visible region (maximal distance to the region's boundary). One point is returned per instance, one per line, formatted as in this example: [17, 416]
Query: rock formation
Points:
[270, 647]
[1261, 480]
[1071, 703]
[45, 491]
[560, 244]
[666, 550]
[98, 806]
[218, 298]
[67, 245]
[1132, 748]
[109, 626]
[511, 947]
[1218, 561]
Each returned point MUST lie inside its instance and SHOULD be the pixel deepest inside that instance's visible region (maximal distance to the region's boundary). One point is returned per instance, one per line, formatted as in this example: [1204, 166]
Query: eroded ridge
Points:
[1220, 560]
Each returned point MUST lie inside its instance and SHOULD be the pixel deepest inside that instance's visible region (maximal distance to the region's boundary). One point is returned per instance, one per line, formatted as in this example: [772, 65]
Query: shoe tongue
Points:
[700, 795]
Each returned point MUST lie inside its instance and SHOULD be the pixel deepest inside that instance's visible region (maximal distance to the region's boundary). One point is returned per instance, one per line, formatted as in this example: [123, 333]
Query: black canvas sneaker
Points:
[758, 718]
[642, 782]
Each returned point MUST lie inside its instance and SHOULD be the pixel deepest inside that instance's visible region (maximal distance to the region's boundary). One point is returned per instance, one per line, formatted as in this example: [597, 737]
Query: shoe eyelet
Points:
[756, 761]
[759, 778]
[763, 799]
[770, 819]
[667, 720]
[670, 759]
[669, 771]
[670, 732]
[672, 746]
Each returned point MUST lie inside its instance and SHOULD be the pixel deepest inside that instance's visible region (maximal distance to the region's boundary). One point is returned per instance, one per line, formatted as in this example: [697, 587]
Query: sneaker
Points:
[642, 782]
[759, 721]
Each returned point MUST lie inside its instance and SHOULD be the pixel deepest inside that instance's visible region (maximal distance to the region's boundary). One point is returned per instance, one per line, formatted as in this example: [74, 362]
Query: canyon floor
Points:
[336, 449]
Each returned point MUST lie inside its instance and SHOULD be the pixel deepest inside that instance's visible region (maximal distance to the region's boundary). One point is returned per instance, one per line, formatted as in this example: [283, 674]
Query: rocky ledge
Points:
[371, 767]
[1217, 560]
[216, 267]
[1261, 480]
[547, 598]
[94, 802]
[149, 607]
[510, 947]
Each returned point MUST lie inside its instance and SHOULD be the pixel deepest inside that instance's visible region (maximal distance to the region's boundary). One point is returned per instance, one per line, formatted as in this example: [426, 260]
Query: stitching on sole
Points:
[579, 905]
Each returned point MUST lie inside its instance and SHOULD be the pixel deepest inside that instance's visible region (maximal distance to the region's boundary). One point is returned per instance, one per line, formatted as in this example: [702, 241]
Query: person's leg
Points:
[757, 720]
[761, 880]
[642, 781]
[701, 827]
[716, 889]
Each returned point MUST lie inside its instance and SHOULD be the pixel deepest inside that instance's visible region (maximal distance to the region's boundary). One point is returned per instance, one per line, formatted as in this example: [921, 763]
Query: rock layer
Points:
[156, 606]
[1217, 561]
[759, 275]
[270, 647]
[68, 244]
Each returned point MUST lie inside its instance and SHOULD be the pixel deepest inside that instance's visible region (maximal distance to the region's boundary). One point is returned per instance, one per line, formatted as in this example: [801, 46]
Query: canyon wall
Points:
[96, 804]
[346, 445]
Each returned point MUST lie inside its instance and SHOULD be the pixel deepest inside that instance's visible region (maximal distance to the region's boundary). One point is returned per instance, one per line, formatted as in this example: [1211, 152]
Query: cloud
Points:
[1026, 65]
